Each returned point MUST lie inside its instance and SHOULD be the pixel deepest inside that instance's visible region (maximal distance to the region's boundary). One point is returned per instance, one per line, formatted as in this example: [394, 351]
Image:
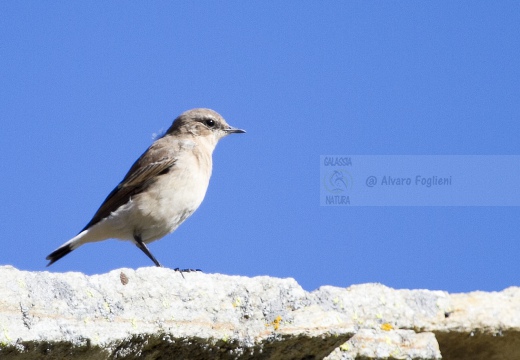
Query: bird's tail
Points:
[66, 248]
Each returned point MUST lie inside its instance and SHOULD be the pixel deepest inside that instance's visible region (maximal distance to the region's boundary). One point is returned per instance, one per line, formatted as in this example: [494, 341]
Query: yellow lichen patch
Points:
[387, 327]
[276, 322]
[338, 302]
[396, 353]
[6, 334]
[345, 347]
[237, 302]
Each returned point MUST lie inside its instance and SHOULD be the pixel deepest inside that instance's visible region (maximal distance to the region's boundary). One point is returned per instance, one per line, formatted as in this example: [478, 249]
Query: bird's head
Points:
[204, 123]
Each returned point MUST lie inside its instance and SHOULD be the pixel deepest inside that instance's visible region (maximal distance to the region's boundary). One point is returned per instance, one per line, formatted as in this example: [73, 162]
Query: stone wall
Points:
[155, 313]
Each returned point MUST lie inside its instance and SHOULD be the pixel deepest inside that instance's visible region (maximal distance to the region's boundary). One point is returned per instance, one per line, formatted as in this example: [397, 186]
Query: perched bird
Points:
[161, 189]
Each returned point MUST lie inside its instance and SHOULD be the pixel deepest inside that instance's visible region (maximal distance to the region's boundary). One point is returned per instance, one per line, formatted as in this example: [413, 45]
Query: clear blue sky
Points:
[85, 85]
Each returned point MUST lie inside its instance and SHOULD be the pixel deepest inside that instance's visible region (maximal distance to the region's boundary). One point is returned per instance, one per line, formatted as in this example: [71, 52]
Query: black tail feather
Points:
[58, 254]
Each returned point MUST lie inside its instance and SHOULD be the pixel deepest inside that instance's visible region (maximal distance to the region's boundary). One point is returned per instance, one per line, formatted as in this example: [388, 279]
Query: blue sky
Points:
[85, 85]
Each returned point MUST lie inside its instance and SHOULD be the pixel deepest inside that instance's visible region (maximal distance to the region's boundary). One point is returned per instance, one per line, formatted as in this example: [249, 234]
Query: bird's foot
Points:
[182, 271]
[187, 270]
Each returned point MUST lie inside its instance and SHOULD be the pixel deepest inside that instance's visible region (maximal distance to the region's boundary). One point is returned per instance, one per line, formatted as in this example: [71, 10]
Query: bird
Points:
[164, 186]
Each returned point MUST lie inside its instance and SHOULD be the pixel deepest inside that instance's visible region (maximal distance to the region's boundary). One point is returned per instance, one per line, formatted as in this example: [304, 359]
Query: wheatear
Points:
[161, 189]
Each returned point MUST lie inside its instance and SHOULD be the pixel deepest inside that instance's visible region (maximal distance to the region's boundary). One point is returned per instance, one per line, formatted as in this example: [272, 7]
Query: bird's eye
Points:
[210, 123]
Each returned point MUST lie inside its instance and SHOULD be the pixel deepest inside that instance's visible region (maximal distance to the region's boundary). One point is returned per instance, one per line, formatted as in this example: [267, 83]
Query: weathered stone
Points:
[155, 313]
[388, 344]
[481, 326]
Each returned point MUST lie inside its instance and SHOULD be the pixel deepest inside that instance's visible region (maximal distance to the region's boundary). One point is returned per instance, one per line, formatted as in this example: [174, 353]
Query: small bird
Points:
[161, 189]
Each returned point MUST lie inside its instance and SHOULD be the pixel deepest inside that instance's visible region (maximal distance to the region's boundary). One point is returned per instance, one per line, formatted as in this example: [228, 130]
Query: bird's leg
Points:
[141, 245]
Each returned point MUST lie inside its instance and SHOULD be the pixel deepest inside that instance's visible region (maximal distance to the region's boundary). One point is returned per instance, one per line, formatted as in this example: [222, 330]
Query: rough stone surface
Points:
[393, 344]
[155, 313]
[481, 325]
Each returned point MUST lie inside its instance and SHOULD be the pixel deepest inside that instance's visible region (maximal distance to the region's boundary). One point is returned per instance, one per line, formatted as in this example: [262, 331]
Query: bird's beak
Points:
[231, 130]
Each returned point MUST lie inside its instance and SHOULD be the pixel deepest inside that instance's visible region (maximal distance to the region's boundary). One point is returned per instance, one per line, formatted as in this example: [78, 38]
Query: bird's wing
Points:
[154, 162]
[146, 173]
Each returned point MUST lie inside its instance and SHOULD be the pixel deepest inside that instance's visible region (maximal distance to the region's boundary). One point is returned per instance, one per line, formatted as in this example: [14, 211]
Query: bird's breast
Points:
[173, 197]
